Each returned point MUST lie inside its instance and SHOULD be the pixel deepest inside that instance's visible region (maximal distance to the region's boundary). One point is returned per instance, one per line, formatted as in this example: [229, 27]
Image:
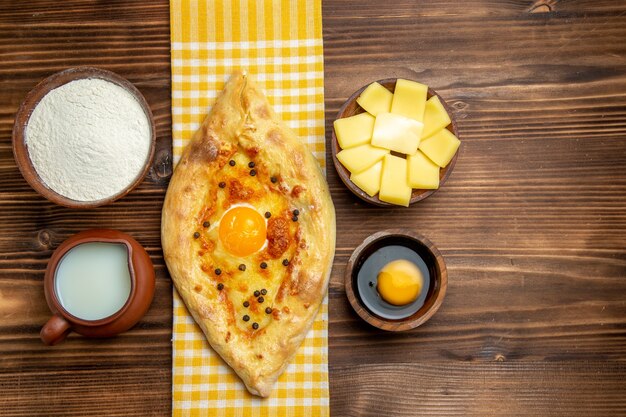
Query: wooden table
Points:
[532, 222]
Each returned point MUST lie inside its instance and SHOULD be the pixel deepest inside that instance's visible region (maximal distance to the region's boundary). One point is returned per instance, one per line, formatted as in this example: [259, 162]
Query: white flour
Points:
[88, 139]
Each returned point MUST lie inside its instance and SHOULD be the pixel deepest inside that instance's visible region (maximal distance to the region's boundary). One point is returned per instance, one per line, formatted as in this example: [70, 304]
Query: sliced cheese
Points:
[397, 133]
[423, 173]
[355, 130]
[409, 99]
[361, 157]
[440, 147]
[369, 180]
[375, 99]
[394, 188]
[435, 117]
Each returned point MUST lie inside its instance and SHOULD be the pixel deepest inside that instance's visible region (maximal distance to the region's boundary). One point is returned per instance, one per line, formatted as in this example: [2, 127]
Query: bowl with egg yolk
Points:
[396, 280]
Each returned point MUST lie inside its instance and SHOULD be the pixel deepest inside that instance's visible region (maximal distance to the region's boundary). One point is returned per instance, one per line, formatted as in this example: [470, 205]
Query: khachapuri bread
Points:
[248, 234]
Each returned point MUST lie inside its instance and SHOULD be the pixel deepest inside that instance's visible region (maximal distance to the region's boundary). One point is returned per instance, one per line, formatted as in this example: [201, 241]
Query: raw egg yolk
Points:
[242, 231]
[400, 282]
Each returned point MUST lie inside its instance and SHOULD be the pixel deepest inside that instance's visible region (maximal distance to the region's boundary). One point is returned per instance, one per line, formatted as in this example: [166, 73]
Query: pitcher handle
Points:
[55, 330]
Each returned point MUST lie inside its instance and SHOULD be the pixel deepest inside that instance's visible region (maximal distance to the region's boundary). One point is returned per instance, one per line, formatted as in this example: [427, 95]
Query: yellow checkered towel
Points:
[279, 43]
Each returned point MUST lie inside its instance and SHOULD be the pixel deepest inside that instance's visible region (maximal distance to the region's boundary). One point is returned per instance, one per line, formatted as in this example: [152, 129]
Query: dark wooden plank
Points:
[532, 222]
[130, 374]
[479, 389]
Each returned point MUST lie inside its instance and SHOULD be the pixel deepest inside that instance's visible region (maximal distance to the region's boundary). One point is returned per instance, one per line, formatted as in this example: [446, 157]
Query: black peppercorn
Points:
[268, 310]
[371, 284]
[231, 163]
[246, 304]
[220, 286]
[263, 265]
[252, 172]
[242, 267]
[222, 184]
[296, 212]
[255, 326]
[251, 164]
[218, 271]
[257, 293]
[285, 262]
[274, 180]
[196, 235]
[260, 300]
[206, 224]
[294, 218]
[263, 291]
[268, 214]
[246, 318]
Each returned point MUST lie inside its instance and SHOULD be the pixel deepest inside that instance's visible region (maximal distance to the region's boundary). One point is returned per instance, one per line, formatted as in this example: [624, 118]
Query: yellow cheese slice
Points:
[355, 130]
[440, 147]
[393, 183]
[361, 157]
[369, 180]
[423, 173]
[397, 133]
[375, 99]
[435, 117]
[409, 99]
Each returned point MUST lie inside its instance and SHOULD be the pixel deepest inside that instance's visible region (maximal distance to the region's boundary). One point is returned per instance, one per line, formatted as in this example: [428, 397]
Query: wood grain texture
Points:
[532, 222]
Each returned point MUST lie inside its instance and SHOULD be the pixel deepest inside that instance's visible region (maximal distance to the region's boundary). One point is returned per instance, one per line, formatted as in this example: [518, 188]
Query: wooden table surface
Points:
[532, 222]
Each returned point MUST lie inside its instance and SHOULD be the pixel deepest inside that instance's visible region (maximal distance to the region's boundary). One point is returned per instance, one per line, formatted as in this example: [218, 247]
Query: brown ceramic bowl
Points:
[351, 108]
[141, 292]
[433, 260]
[23, 114]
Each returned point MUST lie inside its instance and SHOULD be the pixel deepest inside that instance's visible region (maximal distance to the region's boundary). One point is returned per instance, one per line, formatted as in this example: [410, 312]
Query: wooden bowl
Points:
[22, 117]
[351, 108]
[436, 268]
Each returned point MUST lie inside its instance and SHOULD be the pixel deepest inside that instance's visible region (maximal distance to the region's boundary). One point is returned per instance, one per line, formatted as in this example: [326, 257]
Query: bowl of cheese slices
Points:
[394, 142]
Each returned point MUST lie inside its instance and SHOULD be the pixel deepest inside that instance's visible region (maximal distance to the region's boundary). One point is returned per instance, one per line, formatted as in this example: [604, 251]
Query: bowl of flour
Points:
[84, 137]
